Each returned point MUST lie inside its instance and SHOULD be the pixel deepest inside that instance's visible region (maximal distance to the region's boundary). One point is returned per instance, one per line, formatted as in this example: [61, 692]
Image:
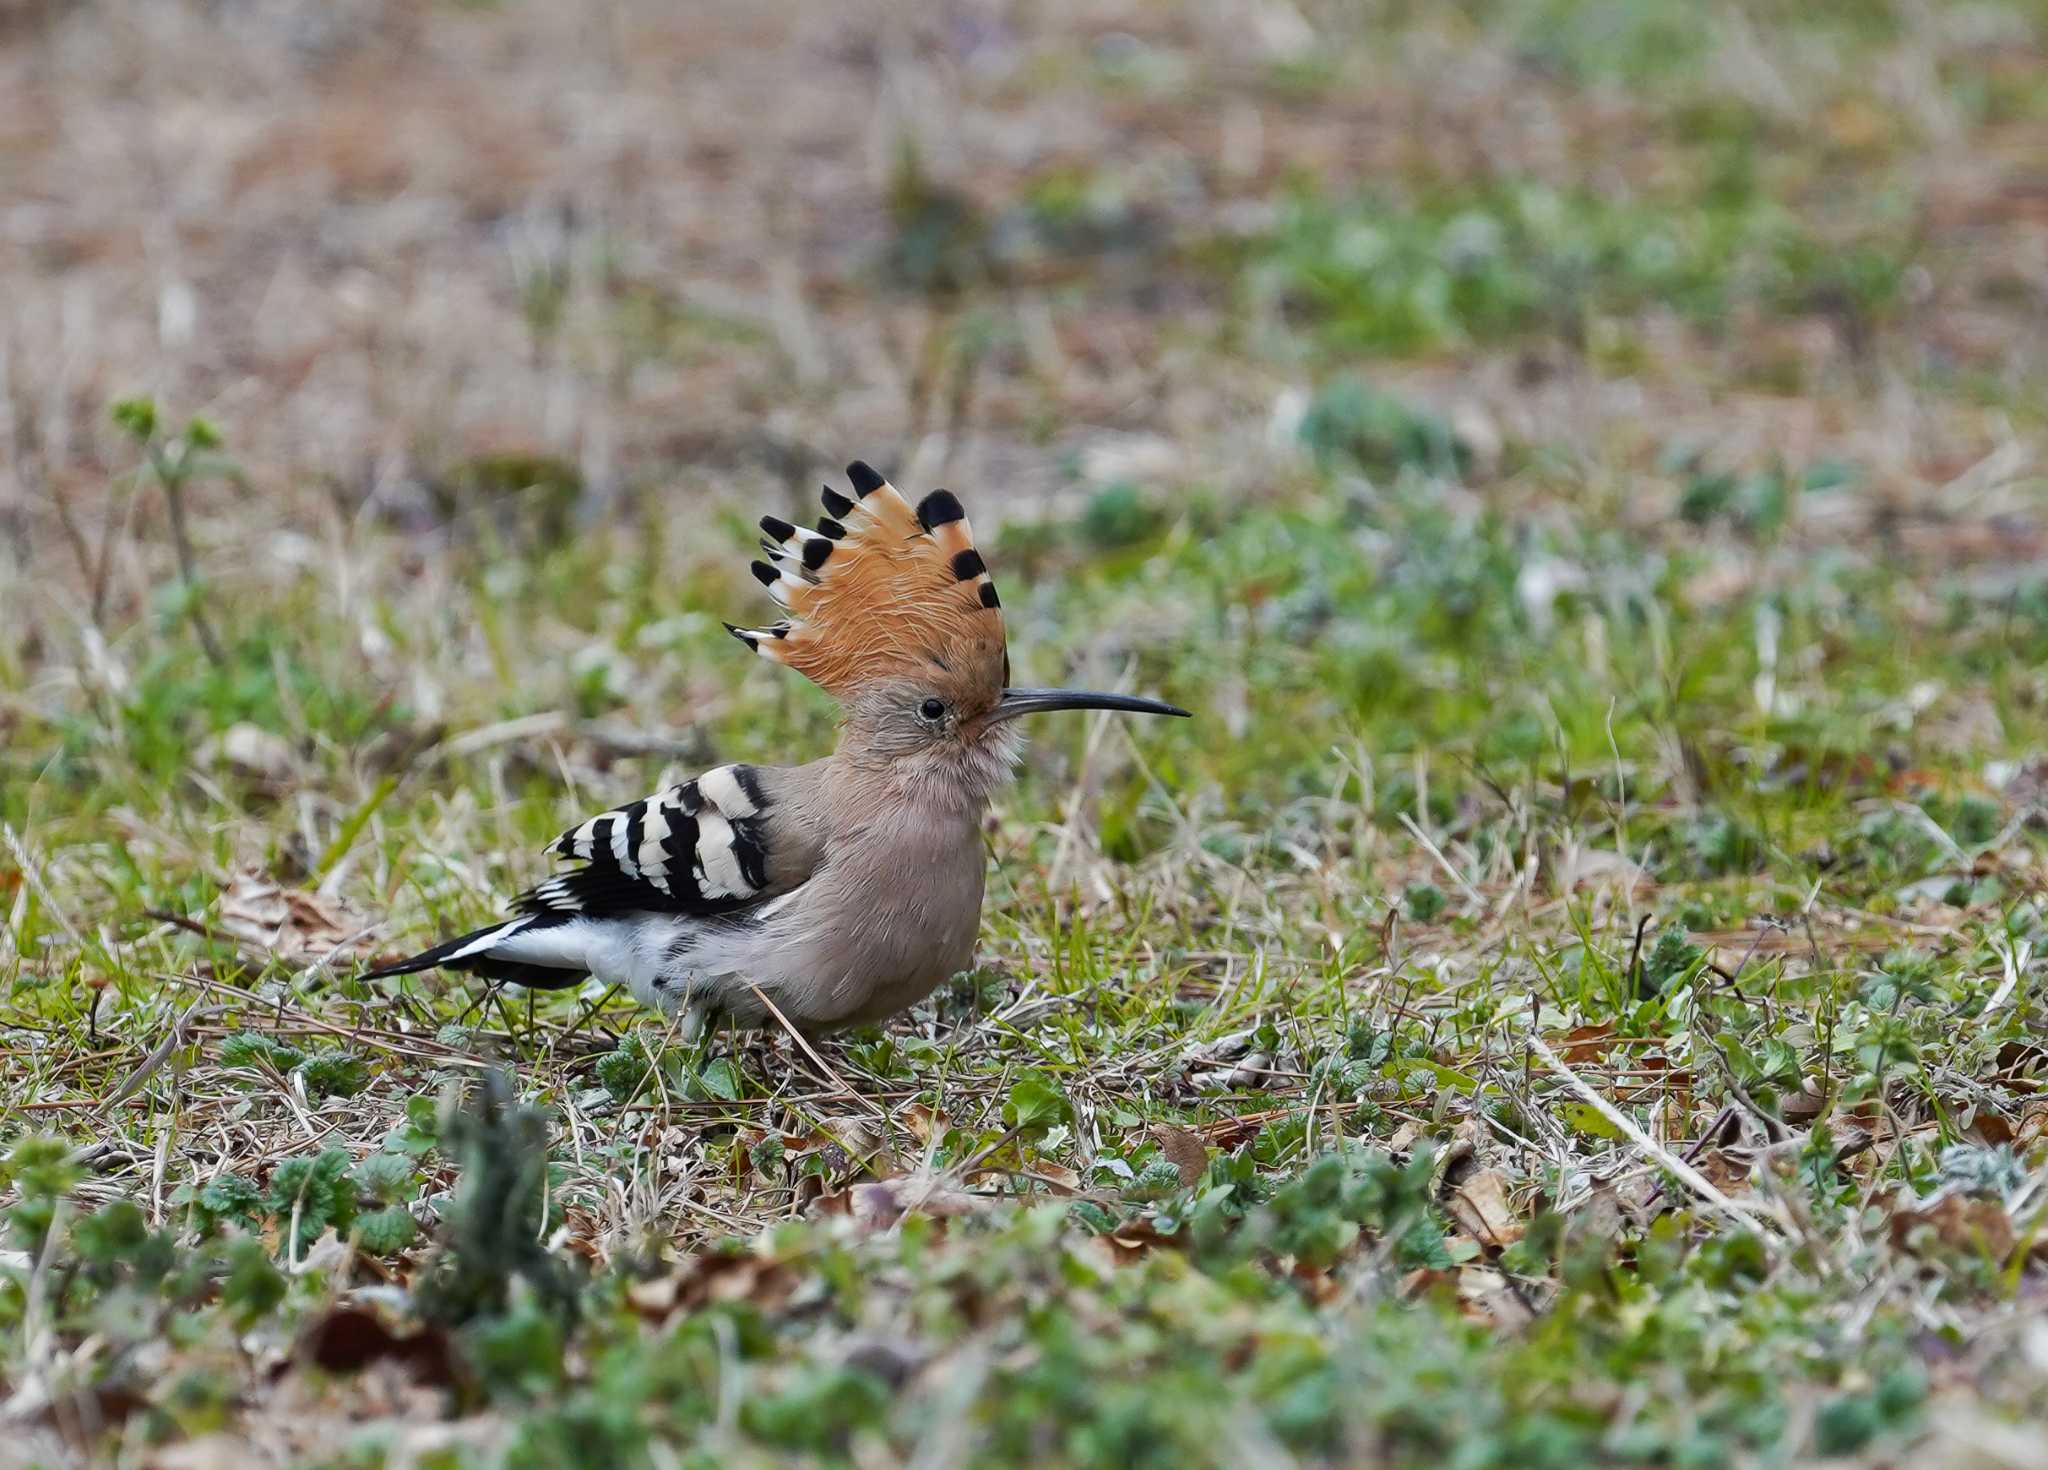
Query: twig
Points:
[172, 477]
[590, 1009]
[811, 1052]
[150, 1064]
[1657, 1152]
[1471, 893]
[34, 875]
[2013, 955]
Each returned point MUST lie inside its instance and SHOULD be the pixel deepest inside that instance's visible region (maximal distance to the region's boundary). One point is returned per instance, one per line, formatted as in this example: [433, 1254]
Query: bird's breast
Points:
[893, 913]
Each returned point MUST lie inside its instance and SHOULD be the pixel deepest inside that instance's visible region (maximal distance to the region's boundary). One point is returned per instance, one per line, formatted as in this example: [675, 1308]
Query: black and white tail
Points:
[700, 850]
[518, 951]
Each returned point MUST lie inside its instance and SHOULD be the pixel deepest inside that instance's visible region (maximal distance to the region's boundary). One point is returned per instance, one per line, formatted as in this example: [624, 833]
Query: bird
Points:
[831, 894]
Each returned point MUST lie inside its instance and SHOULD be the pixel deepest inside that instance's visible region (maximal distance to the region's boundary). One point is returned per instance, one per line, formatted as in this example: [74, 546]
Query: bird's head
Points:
[892, 610]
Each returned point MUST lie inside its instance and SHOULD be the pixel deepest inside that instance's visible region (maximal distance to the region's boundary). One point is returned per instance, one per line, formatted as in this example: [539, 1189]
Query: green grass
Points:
[1571, 996]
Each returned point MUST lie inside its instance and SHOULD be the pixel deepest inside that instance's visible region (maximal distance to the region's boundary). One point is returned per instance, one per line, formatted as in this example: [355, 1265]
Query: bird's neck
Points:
[947, 781]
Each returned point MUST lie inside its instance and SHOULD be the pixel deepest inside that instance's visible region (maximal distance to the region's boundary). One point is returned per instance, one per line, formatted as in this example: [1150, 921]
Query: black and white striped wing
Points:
[698, 848]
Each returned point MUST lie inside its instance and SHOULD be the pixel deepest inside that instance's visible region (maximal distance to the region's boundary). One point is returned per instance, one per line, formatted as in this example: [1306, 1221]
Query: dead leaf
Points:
[1586, 1043]
[1484, 1296]
[1059, 1176]
[1479, 1205]
[655, 1299]
[1319, 1286]
[1989, 1128]
[1728, 1170]
[2033, 1126]
[1600, 1216]
[1424, 1279]
[1184, 1150]
[1955, 1222]
[295, 926]
[714, 1276]
[880, 1203]
[1803, 1106]
[1134, 1239]
[923, 1123]
[348, 1339]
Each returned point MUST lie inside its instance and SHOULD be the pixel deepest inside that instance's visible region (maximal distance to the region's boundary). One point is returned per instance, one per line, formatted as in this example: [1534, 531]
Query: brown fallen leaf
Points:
[1184, 1150]
[2033, 1125]
[1425, 1279]
[1321, 1287]
[1956, 1223]
[922, 1122]
[1479, 1205]
[1135, 1239]
[1601, 1216]
[1803, 1106]
[1058, 1177]
[297, 927]
[1586, 1043]
[714, 1276]
[1988, 1128]
[1728, 1170]
[1484, 1296]
[878, 1204]
[349, 1339]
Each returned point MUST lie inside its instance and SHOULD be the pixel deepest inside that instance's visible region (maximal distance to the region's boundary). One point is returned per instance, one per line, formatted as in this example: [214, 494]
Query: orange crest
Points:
[880, 590]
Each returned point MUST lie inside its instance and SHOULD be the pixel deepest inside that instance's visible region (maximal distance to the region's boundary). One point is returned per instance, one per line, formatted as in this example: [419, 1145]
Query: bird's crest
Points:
[880, 590]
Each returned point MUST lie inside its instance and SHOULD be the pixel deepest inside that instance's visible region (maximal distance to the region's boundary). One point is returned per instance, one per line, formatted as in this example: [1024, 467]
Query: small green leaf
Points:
[623, 1071]
[316, 1191]
[252, 1285]
[1589, 1120]
[41, 1168]
[333, 1074]
[137, 416]
[255, 1049]
[1036, 1101]
[520, 1352]
[420, 1131]
[111, 1233]
[230, 1197]
[1846, 1425]
[389, 1177]
[1425, 902]
[383, 1232]
[721, 1080]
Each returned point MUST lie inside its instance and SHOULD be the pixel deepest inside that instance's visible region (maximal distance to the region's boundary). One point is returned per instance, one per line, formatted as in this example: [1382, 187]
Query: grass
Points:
[1572, 996]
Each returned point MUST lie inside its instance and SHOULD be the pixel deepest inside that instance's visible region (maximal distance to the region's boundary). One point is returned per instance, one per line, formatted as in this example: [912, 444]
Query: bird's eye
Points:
[932, 711]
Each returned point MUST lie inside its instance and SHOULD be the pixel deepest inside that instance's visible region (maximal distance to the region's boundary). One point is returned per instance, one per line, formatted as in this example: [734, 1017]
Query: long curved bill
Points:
[1017, 702]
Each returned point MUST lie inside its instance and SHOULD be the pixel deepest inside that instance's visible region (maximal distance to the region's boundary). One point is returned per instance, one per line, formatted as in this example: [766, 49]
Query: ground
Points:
[1573, 995]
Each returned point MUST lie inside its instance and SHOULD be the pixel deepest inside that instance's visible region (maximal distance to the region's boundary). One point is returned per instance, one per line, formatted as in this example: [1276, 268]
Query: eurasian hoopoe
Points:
[843, 890]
